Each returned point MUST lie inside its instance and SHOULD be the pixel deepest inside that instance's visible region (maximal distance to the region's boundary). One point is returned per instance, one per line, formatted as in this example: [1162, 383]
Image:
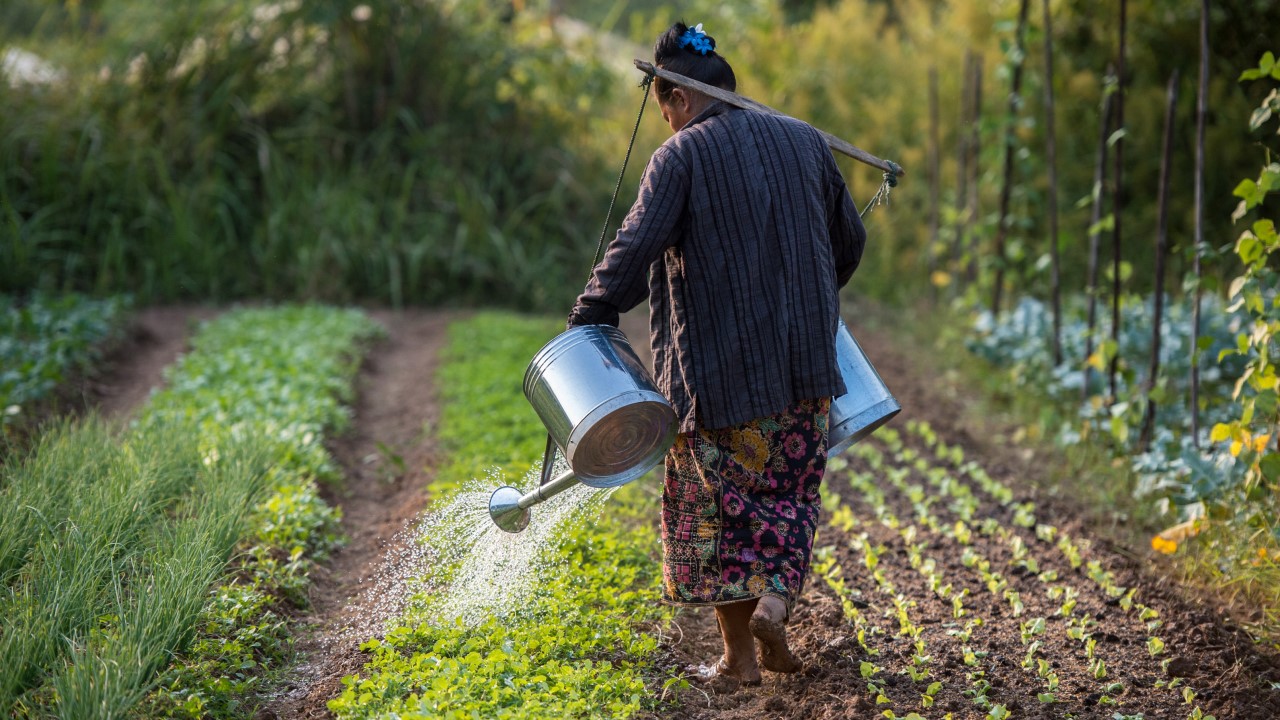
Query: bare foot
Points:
[723, 678]
[768, 626]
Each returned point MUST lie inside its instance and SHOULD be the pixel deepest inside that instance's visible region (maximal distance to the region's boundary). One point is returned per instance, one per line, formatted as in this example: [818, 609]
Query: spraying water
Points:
[453, 564]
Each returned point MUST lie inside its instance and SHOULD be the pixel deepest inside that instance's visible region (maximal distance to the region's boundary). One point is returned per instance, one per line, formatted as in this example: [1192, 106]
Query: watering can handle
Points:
[548, 460]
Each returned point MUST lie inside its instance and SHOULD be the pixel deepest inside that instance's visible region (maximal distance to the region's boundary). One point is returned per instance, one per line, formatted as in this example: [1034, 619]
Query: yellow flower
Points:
[1159, 544]
[1168, 539]
[750, 449]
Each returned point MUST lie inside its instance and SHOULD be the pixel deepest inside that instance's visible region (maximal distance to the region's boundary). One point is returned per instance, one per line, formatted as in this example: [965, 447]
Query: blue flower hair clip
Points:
[697, 41]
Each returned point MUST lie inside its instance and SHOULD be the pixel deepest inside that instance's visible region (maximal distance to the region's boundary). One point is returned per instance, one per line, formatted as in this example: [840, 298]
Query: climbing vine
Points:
[1253, 435]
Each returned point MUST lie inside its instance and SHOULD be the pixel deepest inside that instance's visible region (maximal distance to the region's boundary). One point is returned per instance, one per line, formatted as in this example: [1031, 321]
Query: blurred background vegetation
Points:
[464, 152]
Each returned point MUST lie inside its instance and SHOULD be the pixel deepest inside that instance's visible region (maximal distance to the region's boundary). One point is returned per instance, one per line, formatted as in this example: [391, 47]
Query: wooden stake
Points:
[1095, 217]
[934, 171]
[1006, 188]
[975, 169]
[1162, 250]
[1117, 205]
[1051, 156]
[1201, 112]
[962, 166]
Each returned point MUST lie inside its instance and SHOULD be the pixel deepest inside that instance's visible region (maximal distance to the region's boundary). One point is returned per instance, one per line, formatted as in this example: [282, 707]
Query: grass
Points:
[111, 546]
[211, 152]
[576, 648]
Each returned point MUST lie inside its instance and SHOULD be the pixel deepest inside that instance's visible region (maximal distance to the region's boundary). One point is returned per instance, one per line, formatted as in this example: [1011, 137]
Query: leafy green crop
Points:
[281, 375]
[576, 649]
[44, 339]
[109, 546]
[1172, 469]
[1254, 433]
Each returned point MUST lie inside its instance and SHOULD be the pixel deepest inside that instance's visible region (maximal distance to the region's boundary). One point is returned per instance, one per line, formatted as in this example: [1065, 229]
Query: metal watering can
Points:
[867, 403]
[602, 413]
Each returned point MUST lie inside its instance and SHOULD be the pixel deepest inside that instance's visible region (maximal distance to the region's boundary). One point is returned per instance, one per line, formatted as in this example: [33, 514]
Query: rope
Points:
[882, 194]
[644, 84]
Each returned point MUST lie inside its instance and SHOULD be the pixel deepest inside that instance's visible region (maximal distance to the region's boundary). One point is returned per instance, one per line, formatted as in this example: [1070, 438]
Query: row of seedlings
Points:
[911, 535]
[113, 542]
[1074, 552]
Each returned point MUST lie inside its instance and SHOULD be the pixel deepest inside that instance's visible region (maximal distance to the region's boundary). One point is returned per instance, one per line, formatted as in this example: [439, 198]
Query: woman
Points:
[746, 232]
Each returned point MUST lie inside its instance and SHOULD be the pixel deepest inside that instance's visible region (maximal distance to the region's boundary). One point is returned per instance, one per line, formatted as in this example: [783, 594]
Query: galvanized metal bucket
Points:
[867, 403]
[599, 406]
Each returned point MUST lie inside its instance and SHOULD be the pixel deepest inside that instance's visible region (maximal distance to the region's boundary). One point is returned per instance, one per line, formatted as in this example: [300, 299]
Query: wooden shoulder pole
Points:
[747, 103]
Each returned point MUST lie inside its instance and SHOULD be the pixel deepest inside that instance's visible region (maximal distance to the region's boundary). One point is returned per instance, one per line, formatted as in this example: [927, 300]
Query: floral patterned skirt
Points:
[740, 507]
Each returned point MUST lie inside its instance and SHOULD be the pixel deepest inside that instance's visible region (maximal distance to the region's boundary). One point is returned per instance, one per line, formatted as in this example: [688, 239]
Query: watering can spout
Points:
[602, 412]
[510, 510]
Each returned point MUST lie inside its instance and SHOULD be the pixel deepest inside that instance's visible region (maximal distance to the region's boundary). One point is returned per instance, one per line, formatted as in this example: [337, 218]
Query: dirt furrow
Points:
[387, 458]
[155, 339]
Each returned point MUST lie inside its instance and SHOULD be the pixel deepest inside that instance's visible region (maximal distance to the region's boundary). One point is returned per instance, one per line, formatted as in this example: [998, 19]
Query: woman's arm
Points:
[619, 282]
[848, 236]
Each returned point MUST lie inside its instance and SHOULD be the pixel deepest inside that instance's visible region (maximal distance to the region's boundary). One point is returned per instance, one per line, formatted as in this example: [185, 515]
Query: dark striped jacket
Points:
[747, 232]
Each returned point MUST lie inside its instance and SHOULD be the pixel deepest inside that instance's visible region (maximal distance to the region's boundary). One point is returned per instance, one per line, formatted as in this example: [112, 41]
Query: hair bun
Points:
[696, 41]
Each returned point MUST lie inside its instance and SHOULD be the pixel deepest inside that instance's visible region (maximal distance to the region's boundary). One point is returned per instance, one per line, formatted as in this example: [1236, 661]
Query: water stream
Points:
[453, 564]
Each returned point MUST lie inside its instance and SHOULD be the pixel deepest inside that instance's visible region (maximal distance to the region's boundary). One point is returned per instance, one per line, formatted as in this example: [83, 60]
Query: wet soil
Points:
[1231, 675]
[387, 458]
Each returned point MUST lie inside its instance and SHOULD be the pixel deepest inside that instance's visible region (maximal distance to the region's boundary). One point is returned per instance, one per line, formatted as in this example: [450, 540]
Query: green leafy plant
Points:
[579, 646]
[113, 548]
[1255, 434]
[44, 339]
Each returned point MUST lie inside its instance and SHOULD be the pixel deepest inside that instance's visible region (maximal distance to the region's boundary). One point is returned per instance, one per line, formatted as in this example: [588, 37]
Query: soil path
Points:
[1231, 676]
[387, 457]
[154, 340]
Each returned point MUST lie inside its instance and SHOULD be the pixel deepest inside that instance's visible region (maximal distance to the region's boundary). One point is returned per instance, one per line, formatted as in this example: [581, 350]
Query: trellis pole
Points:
[1117, 207]
[1162, 250]
[1197, 268]
[1006, 188]
[1051, 154]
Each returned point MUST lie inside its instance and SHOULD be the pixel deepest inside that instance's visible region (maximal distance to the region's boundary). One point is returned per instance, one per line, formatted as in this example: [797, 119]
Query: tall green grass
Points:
[114, 670]
[429, 153]
[77, 555]
[111, 547]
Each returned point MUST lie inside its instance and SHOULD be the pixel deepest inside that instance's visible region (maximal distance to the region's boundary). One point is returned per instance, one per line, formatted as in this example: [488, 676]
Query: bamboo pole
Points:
[975, 170]
[1117, 206]
[962, 167]
[1006, 187]
[1198, 245]
[1051, 155]
[934, 171]
[1162, 250]
[746, 103]
[1095, 217]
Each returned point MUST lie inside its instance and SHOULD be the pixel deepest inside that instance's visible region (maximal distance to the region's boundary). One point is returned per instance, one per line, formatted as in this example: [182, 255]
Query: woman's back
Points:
[768, 236]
